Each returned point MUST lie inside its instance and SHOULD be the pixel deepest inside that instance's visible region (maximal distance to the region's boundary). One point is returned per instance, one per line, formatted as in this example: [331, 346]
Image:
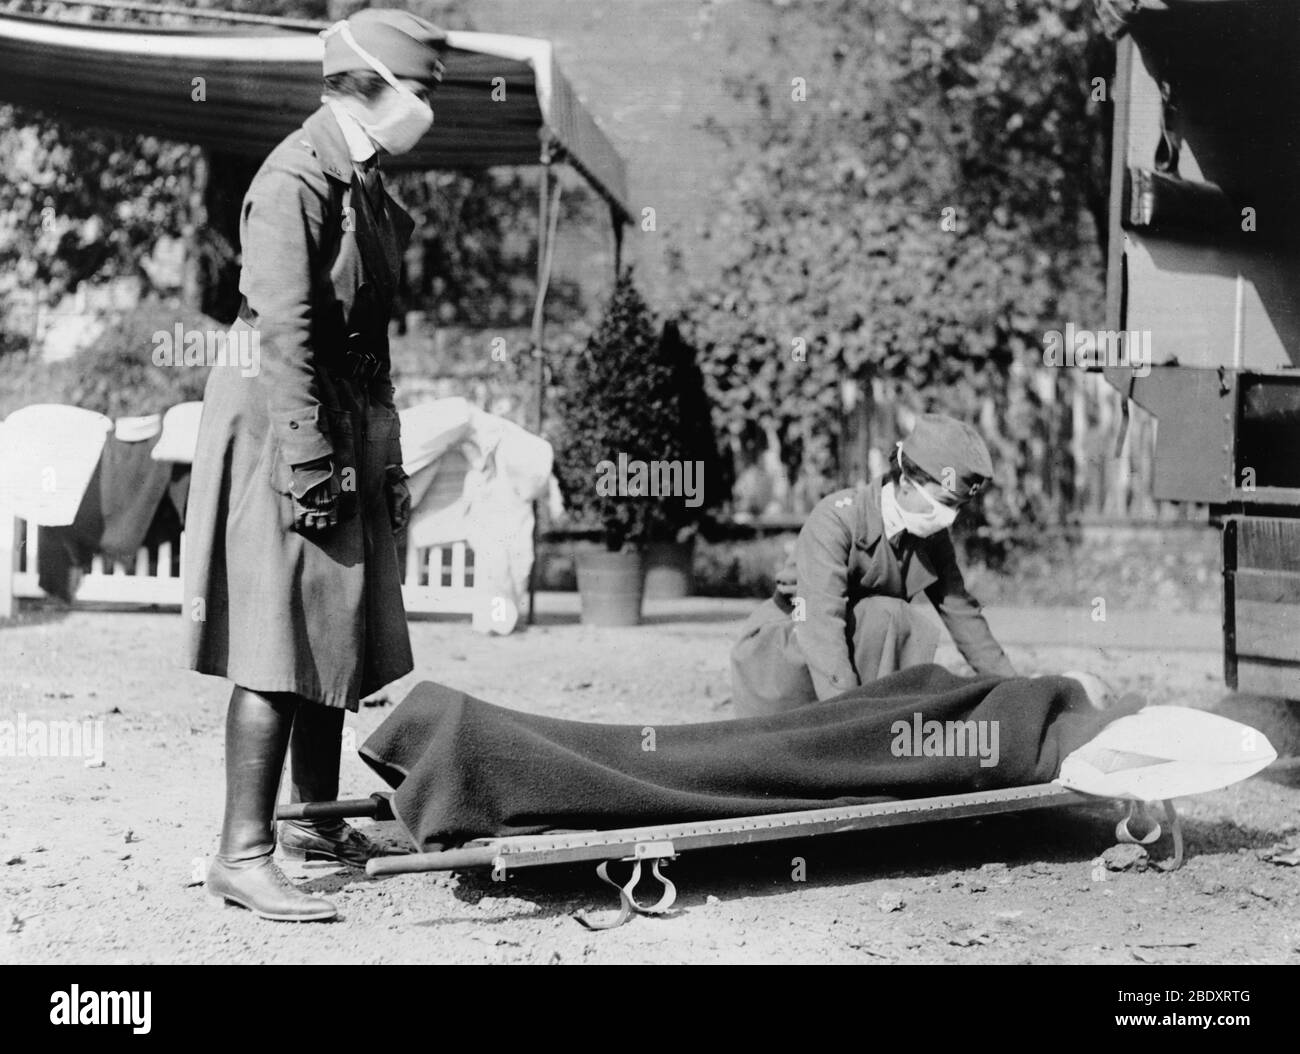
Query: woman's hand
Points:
[316, 494]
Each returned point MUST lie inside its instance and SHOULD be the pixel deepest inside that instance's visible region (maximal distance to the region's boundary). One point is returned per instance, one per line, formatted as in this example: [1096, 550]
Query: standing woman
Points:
[292, 582]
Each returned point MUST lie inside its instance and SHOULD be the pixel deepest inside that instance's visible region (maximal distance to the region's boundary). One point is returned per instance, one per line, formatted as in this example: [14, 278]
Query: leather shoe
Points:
[261, 887]
[334, 841]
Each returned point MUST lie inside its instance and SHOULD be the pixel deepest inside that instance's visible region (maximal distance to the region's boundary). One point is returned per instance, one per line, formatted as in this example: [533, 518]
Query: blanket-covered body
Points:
[463, 768]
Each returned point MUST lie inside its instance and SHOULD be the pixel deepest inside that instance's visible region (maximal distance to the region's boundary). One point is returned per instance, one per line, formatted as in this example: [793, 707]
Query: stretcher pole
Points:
[665, 840]
[376, 807]
[465, 859]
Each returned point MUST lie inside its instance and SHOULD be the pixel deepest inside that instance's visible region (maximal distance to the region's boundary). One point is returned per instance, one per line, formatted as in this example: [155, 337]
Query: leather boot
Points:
[244, 871]
[314, 756]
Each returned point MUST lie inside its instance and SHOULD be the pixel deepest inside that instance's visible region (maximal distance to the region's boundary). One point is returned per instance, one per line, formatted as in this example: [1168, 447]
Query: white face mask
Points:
[404, 117]
[938, 517]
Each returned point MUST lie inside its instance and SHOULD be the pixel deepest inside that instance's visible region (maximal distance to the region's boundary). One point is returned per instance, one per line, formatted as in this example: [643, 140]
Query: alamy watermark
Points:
[179, 346]
[646, 479]
[1097, 348]
[75, 1007]
[37, 738]
[920, 738]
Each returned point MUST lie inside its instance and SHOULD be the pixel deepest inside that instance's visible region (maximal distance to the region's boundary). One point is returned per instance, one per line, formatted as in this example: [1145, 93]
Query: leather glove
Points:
[399, 497]
[316, 492]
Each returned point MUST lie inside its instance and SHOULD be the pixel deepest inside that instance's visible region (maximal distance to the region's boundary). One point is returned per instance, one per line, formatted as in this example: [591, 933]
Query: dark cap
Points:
[952, 452]
[408, 45]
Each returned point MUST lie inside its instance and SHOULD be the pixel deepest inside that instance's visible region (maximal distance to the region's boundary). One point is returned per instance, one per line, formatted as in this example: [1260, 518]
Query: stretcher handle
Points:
[447, 860]
[376, 807]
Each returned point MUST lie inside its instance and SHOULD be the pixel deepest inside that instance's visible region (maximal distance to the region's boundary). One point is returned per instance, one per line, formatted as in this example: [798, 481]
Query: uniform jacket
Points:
[842, 555]
[312, 240]
[319, 615]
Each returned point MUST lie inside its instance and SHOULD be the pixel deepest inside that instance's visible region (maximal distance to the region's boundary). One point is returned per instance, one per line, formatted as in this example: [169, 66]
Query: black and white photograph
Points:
[648, 482]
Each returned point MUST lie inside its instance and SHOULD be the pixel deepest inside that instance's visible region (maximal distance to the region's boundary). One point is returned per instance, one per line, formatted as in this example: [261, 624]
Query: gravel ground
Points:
[103, 864]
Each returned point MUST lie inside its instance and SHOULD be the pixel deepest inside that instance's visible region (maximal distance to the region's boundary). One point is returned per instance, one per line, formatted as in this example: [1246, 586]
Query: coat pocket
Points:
[344, 456]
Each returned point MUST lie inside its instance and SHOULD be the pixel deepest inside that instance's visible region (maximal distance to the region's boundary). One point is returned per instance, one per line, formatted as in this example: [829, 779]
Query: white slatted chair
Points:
[438, 580]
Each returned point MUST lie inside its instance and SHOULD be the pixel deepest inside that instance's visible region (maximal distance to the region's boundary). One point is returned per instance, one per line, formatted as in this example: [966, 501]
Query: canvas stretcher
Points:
[1146, 824]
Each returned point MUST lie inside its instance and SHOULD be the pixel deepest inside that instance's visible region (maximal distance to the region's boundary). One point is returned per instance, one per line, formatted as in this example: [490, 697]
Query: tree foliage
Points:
[80, 205]
[921, 217]
[115, 374]
[473, 253]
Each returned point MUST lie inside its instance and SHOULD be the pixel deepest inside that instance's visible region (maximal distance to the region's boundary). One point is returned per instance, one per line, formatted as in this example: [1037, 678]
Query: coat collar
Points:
[871, 524]
[871, 530]
[326, 138]
[360, 148]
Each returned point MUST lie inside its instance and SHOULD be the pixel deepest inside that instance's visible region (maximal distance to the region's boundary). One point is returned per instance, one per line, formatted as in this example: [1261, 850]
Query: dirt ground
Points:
[101, 864]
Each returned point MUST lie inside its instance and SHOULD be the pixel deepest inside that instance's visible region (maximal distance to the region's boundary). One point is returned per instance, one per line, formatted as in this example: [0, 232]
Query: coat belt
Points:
[356, 363]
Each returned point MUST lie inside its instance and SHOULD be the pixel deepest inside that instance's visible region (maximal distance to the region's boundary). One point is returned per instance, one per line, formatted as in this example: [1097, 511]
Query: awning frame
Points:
[285, 64]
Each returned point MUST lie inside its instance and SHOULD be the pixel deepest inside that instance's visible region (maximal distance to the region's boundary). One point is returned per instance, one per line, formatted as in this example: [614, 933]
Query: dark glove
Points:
[315, 491]
[399, 497]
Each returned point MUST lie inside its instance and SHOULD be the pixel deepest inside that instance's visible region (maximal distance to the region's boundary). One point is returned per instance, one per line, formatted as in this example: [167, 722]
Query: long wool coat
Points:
[273, 610]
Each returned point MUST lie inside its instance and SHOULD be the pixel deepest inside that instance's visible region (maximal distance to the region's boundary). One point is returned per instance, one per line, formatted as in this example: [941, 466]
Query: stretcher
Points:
[657, 844]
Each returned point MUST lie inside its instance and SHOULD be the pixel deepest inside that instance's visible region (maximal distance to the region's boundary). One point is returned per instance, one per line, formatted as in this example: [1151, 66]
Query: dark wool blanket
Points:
[463, 768]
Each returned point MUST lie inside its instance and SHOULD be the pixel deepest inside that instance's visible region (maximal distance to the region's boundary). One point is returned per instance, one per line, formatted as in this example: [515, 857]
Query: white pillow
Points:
[1166, 752]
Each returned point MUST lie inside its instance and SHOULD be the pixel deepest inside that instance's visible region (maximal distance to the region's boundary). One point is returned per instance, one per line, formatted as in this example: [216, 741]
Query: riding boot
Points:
[315, 747]
[244, 871]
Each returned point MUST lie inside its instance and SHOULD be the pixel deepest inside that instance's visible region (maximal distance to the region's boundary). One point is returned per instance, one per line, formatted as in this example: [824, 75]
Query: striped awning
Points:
[243, 89]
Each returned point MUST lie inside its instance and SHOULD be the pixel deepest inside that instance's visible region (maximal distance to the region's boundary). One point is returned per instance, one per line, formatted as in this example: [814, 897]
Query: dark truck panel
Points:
[1204, 256]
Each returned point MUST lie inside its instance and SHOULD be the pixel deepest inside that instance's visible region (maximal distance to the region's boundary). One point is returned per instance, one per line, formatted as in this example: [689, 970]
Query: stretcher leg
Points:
[627, 903]
[1175, 824]
[1141, 827]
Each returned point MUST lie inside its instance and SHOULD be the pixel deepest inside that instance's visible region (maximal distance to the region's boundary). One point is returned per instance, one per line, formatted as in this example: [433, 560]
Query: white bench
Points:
[437, 580]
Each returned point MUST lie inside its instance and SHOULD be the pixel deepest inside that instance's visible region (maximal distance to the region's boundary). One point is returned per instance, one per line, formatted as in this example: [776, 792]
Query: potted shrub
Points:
[670, 551]
[618, 420]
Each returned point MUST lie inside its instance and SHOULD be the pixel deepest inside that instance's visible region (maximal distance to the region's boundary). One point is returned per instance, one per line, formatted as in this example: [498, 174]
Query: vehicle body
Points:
[1204, 256]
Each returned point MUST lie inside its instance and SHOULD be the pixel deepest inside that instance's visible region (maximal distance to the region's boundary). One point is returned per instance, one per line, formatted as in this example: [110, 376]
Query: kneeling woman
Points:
[840, 616]
[292, 582]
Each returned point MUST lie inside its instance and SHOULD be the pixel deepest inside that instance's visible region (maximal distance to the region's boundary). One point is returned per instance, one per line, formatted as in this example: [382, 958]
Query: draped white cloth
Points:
[48, 454]
[474, 477]
[137, 429]
[180, 434]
